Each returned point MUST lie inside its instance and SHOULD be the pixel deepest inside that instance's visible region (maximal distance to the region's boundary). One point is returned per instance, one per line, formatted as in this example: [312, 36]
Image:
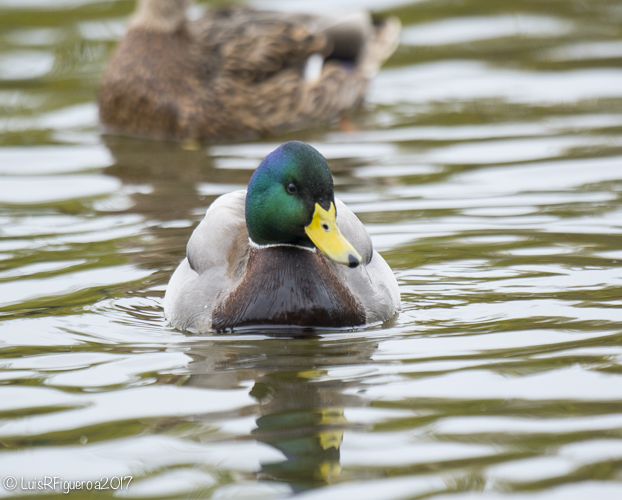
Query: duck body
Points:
[238, 73]
[229, 281]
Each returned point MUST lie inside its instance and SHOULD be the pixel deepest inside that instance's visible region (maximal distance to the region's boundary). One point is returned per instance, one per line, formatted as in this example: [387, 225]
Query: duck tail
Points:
[383, 43]
[354, 38]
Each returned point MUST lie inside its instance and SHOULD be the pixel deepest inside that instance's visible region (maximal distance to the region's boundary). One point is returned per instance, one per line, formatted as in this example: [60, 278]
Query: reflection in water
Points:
[307, 430]
[300, 414]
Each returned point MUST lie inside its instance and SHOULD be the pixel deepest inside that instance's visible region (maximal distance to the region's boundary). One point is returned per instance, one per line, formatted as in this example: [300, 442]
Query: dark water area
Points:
[486, 165]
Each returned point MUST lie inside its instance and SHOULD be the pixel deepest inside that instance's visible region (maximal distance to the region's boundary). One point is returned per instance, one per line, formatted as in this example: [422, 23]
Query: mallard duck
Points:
[283, 252]
[238, 73]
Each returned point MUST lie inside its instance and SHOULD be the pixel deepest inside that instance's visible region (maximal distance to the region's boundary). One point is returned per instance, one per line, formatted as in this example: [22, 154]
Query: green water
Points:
[486, 165]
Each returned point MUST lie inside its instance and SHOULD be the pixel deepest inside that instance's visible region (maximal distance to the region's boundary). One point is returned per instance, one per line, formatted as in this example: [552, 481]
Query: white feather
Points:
[313, 68]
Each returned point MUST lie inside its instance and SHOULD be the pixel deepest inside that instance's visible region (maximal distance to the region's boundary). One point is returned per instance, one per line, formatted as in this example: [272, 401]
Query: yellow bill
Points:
[325, 234]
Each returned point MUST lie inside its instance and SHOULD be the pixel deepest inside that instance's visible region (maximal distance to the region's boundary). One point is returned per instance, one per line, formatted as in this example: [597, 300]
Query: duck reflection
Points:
[300, 406]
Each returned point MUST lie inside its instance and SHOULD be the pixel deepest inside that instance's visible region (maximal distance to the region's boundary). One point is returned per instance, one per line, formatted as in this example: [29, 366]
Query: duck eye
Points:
[325, 226]
[291, 188]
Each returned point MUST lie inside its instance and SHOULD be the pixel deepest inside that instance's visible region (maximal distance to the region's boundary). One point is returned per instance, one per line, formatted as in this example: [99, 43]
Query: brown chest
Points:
[288, 286]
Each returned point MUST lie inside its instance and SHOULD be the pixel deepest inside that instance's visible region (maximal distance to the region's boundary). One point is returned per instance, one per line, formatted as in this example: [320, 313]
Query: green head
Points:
[290, 200]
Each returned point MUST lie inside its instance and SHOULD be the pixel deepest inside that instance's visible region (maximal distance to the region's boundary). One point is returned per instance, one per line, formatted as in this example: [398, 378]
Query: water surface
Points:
[487, 166]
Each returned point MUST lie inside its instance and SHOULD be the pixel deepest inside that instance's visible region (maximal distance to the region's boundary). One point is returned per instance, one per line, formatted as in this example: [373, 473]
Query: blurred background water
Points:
[487, 166]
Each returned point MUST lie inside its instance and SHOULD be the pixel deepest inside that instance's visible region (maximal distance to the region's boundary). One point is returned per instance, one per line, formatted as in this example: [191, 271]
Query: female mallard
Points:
[285, 252]
[238, 73]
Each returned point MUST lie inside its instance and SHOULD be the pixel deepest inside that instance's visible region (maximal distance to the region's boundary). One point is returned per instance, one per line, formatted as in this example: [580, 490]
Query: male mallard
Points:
[284, 252]
[238, 73]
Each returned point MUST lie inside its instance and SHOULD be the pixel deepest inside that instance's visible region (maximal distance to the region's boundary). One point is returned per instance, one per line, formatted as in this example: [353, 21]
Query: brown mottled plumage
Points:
[238, 73]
